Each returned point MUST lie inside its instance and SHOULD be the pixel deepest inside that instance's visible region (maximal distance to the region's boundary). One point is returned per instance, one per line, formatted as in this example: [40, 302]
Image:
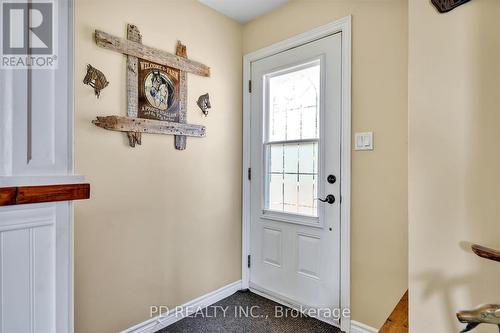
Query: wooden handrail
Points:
[398, 320]
[485, 252]
[22, 195]
[484, 314]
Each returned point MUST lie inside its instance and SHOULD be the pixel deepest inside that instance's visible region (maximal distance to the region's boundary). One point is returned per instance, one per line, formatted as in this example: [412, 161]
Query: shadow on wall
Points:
[438, 284]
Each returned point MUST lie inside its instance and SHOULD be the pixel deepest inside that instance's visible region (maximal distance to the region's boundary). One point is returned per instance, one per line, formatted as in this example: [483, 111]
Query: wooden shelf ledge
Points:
[22, 195]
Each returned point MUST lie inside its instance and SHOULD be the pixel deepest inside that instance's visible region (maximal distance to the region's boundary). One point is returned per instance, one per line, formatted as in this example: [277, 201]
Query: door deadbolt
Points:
[331, 179]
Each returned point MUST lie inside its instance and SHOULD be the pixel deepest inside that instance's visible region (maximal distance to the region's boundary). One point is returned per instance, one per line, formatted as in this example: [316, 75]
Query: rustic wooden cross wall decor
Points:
[156, 89]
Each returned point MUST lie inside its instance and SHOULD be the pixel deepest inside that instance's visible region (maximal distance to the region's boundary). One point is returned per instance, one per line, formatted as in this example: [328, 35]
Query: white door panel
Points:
[36, 111]
[295, 145]
[35, 271]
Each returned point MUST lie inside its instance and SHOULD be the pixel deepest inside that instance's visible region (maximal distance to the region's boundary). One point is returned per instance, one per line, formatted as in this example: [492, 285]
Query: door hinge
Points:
[249, 260]
[249, 173]
[250, 86]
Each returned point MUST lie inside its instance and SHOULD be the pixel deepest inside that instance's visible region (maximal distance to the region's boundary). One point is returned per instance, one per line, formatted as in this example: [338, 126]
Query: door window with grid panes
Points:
[291, 140]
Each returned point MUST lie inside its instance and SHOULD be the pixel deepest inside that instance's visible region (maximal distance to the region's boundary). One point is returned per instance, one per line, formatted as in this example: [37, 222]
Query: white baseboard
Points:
[357, 327]
[157, 323]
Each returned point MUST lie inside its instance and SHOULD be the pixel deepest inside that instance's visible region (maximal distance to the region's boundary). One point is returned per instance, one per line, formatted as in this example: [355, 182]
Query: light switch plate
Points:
[363, 141]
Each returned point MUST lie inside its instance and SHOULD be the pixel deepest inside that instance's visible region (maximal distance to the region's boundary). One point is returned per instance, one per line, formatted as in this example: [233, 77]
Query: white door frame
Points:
[342, 25]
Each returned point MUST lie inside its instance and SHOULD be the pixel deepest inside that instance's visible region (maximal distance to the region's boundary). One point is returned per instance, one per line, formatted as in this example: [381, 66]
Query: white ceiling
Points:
[243, 10]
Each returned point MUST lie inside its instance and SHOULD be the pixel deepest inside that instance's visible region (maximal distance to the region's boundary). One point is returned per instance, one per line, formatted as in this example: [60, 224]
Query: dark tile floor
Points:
[263, 318]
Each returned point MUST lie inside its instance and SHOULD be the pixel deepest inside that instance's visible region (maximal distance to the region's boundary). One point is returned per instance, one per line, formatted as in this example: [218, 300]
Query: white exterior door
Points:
[36, 140]
[295, 162]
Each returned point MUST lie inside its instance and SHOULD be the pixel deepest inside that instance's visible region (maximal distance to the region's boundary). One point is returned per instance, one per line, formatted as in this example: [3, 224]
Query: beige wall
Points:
[163, 226]
[379, 178]
[454, 184]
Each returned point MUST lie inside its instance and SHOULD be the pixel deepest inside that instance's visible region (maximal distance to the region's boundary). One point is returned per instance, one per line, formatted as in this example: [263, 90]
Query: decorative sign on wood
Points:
[156, 89]
[444, 6]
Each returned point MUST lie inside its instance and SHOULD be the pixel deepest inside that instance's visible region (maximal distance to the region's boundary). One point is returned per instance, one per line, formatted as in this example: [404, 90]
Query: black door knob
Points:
[329, 199]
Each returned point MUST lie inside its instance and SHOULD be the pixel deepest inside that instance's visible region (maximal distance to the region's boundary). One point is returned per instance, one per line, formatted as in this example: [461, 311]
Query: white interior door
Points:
[295, 161]
[36, 148]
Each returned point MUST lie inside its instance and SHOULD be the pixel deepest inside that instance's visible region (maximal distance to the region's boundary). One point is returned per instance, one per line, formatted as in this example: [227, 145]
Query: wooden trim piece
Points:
[127, 124]
[138, 50]
[486, 253]
[48, 193]
[398, 320]
[8, 196]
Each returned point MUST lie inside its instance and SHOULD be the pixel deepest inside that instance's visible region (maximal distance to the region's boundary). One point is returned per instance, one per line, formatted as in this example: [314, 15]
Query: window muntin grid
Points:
[292, 140]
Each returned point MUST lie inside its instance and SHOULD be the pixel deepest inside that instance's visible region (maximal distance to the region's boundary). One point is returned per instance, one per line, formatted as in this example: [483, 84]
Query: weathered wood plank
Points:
[23, 195]
[398, 320]
[138, 50]
[181, 140]
[134, 35]
[126, 124]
